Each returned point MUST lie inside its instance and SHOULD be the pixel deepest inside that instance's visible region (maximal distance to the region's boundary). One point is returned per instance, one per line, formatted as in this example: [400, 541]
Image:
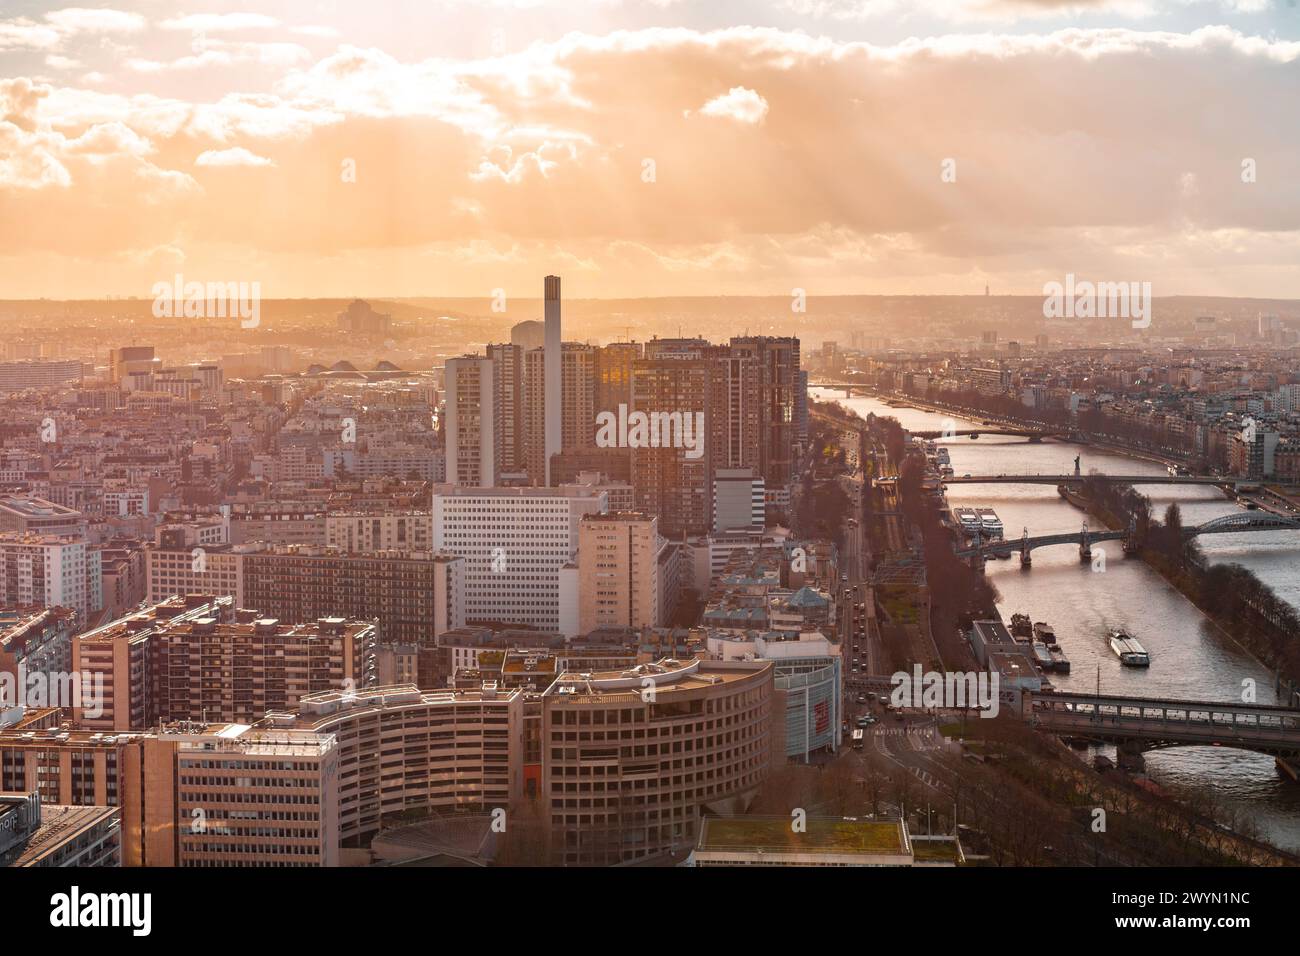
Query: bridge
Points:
[1034, 435]
[1139, 724]
[1237, 523]
[1076, 478]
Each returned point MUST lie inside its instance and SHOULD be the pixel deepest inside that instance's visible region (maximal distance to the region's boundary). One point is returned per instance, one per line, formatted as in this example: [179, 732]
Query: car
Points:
[862, 698]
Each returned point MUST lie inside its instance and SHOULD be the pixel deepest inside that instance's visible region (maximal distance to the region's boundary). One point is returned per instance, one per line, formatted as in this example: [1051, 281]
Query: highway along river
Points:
[1190, 658]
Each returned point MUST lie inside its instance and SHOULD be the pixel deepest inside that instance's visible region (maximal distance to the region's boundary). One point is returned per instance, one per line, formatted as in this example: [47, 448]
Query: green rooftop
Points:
[775, 834]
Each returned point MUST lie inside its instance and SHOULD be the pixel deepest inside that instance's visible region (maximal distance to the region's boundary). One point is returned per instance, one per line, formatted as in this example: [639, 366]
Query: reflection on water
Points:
[1190, 657]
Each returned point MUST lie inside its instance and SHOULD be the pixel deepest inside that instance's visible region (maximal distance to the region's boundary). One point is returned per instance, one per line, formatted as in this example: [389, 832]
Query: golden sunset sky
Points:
[793, 143]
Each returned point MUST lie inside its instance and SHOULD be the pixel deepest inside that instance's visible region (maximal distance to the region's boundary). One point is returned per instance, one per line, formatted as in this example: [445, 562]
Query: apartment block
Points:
[618, 571]
[402, 749]
[195, 659]
[414, 595]
[515, 542]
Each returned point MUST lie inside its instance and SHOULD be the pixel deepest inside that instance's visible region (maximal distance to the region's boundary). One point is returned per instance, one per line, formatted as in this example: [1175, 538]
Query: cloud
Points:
[234, 156]
[76, 20]
[61, 25]
[739, 104]
[218, 52]
[220, 22]
[964, 11]
[1100, 151]
[23, 34]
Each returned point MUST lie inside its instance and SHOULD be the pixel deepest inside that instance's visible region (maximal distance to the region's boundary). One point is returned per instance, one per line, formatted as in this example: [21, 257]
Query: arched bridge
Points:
[1245, 521]
[1140, 723]
[1237, 523]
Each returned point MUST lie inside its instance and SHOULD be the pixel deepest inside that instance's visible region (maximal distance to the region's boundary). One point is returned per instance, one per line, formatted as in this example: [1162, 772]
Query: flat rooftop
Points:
[822, 835]
[667, 676]
[59, 824]
[35, 507]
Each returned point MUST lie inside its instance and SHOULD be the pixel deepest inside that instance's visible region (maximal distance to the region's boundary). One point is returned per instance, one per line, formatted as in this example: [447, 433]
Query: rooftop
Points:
[822, 835]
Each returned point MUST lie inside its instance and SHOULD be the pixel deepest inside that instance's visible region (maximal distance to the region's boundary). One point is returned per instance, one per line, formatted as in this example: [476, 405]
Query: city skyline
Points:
[442, 436]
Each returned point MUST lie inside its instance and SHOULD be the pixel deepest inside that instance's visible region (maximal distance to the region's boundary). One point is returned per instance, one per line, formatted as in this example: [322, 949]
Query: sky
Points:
[650, 147]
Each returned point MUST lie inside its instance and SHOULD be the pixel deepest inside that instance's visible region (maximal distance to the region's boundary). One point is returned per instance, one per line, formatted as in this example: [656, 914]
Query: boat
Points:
[1043, 632]
[968, 521]
[1021, 629]
[990, 523]
[1128, 650]
[1060, 663]
[1042, 656]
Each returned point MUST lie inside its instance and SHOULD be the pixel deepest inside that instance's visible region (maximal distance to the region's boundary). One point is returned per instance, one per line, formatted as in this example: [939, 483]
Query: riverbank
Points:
[910, 401]
[1190, 584]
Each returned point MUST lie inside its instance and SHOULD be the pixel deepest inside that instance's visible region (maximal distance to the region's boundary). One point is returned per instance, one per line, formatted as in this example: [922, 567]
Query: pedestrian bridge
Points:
[1139, 723]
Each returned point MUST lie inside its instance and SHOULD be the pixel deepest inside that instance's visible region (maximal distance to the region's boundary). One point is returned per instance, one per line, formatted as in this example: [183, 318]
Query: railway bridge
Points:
[1139, 724]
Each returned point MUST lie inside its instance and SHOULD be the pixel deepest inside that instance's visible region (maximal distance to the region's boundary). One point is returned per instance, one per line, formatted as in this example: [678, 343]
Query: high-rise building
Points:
[672, 474]
[738, 500]
[613, 371]
[577, 422]
[578, 390]
[515, 543]
[775, 367]
[553, 372]
[801, 408]
[618, 571]
[508, 380]
[472, 429]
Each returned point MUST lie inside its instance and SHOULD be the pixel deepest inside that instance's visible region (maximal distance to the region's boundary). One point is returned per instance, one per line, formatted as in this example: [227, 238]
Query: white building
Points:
[739, 500]
[51, 571]
[516, 542]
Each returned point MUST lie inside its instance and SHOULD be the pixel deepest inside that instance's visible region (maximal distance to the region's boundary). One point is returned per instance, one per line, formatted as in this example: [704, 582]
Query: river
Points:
[1190, 657]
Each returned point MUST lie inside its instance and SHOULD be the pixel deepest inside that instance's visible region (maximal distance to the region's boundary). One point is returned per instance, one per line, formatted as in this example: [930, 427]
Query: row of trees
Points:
[1242, 604]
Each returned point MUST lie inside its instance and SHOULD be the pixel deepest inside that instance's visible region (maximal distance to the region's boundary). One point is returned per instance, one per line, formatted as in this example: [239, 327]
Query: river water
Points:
[1190, 657]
